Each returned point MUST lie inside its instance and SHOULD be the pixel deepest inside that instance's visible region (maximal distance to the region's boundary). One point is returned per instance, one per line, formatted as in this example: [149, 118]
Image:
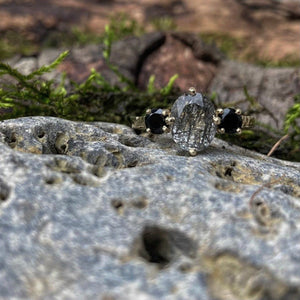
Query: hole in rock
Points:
[157, 245]
[140, 203]
[131, 141]
[12, 140]
[39, 132]
[61, 143]
[261, 212]
[228, 171]
[132, 164]
[4, 191]
[41, 135]
[235, 171]
[117, 204]
[162, 246]
[52, 180]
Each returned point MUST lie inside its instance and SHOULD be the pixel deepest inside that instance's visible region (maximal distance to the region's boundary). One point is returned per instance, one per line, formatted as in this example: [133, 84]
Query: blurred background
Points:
[266, 32]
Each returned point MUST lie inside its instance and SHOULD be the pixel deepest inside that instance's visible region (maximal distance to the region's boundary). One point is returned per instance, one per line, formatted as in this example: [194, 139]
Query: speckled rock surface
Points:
[97, 212]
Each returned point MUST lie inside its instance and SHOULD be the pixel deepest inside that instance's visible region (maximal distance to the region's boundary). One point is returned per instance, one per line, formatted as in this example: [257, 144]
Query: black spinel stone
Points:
[155, 121]
[230, 121]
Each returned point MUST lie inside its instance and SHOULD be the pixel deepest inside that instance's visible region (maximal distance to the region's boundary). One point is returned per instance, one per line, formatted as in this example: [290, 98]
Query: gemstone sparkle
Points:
[193, 127]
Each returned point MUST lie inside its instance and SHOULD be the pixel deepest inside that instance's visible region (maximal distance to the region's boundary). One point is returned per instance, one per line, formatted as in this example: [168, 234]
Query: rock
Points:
[92, 210]
[127, 55]
[26, 65]
[272, 88]
[81, 60]
[47, 56]
[183, 54]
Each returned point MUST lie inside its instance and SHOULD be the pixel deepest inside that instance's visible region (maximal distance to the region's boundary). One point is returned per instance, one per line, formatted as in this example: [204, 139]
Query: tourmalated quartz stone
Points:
[230, 121]
[193, 128]
[155, 121]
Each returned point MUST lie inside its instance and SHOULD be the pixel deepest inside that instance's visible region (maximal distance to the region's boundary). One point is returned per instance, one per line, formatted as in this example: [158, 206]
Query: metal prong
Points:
[238, 130]
[217, 120]
[238, 111]
[192, 91]
[165, 128]
[221, 130]
[148, 130]
[219, 111]
[170, 120]
[148, 111]
[165, 112]
[193, 151]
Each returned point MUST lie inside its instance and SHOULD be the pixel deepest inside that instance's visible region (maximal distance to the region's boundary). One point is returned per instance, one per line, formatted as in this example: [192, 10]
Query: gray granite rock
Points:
[93, 211]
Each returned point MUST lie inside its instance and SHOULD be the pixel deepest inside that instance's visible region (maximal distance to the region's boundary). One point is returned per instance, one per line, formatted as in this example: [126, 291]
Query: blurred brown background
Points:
[266, 29]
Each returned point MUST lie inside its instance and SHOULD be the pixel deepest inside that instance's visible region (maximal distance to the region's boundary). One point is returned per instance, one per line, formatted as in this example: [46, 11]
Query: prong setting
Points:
[166, 112]
[217, 120]
[192, 91]
[169, 120]
[230, 120]
[192, 151]
[221, 130]
[155, 121]
[219, 111]
[165, 129]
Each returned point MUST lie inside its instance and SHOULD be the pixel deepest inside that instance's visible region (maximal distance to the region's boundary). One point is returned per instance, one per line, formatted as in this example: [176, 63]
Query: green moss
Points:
[229, 45]
[163, 24]
[74, 37]
[93, 100]
[12, 43]
[124, 25]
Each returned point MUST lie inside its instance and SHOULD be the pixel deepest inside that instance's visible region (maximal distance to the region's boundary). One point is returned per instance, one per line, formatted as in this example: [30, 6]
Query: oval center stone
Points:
[193, 127]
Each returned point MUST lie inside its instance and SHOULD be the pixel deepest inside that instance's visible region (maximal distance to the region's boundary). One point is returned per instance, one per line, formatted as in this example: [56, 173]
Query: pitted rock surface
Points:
[92, 209]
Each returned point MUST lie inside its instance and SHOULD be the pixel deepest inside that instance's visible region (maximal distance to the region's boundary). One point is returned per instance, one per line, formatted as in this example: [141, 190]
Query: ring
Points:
[193, 121]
